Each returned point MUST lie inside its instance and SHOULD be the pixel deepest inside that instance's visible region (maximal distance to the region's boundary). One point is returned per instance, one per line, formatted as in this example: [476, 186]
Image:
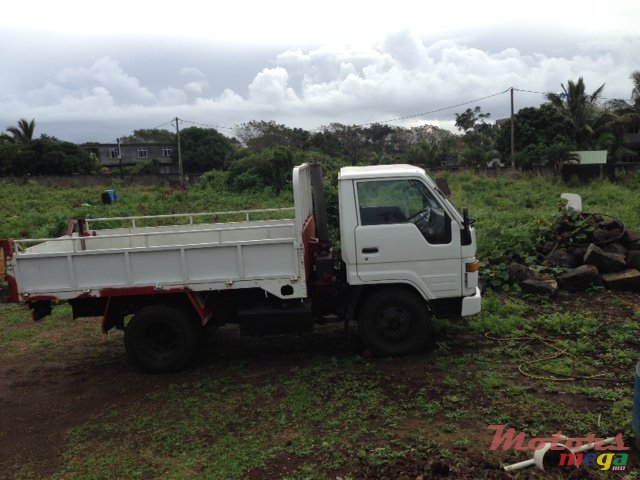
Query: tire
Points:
[394, 322]
[161, 339]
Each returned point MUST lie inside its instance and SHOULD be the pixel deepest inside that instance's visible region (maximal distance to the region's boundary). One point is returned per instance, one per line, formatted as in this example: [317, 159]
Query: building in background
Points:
[135, 154]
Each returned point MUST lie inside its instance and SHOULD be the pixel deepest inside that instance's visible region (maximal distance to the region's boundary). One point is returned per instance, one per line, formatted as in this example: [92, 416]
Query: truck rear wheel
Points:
[161, 339]
[394, 322]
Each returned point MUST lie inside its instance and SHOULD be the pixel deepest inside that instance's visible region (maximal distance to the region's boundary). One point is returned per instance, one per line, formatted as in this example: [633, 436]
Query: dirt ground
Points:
[41, 400]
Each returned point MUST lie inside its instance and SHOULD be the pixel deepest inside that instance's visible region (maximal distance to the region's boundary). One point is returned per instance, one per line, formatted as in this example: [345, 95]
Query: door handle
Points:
[369, 250]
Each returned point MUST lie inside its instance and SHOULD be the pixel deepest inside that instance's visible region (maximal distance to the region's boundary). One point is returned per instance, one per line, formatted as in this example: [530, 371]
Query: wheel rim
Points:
[160, 341]
[394, 324]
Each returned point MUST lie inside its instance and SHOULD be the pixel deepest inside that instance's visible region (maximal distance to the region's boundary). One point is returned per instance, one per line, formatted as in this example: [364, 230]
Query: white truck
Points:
[407, 254]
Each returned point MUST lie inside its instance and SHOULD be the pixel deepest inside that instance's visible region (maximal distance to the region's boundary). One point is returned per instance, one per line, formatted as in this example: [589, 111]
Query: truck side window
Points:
[403, 201]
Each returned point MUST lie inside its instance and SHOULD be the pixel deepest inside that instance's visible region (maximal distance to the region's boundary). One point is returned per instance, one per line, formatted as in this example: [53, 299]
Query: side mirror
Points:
[467, 223]
[443, 186]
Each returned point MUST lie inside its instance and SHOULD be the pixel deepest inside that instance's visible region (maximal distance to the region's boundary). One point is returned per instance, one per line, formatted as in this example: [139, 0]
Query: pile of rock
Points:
[609, 258]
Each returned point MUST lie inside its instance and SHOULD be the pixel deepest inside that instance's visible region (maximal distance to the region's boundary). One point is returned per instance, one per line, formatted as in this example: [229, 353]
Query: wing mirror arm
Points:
[467, 223]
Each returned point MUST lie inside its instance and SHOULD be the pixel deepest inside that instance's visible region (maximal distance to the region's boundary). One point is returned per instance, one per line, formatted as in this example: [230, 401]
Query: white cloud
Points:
[192, 72]
[271, 87]
[107, 73]
[399, 76]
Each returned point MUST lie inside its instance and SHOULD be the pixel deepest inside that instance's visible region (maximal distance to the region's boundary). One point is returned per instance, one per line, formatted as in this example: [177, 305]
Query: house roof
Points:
[592, 157]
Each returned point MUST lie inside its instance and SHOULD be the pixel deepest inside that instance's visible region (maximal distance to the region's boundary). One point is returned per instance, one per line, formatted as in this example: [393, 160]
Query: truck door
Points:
[405, 235]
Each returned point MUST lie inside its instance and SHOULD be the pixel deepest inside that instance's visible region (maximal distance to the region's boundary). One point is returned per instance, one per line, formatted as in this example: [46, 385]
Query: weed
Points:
[491, 381]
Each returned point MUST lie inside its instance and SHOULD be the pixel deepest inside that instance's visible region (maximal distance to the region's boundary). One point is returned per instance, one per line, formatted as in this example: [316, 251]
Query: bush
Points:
[269, 168]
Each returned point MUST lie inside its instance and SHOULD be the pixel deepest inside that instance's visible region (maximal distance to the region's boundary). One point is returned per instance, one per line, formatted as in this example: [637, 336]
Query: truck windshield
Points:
[403, 201]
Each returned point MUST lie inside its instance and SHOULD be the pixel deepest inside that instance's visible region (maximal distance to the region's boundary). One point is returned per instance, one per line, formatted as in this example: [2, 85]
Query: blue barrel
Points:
[636, 408]
[109, 196]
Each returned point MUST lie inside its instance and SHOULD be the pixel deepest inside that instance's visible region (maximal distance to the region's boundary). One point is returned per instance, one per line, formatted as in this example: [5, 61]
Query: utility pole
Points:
[179, 151]
[513, 134]
[119, 156]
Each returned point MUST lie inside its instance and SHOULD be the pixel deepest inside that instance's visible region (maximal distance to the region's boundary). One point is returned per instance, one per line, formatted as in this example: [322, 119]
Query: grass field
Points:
[319, 406]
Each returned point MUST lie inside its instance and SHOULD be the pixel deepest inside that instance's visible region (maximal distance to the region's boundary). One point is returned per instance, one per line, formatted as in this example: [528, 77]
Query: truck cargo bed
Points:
[196, 252]
[198, 257]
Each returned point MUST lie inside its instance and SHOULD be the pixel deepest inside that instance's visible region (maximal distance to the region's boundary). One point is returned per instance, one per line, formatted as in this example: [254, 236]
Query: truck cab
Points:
[400, 234]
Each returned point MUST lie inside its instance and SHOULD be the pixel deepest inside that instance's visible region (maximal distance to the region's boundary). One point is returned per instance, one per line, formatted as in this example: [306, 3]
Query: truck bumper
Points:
[471, 305]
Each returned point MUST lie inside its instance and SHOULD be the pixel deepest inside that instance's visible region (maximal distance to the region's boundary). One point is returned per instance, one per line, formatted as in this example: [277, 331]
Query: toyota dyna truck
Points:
[407, 254]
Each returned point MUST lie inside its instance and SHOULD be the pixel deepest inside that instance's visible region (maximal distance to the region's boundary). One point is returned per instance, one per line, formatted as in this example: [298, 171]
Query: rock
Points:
[518, 273]
[633, 259]
[562, 258]
[629, 280]
[540, 287]
[617, 248]
[547, 247]
[578, 251]
[601, 235]
[610, 224]
[634, 245]
[631, 236]
[440, 469]
[603, 261]
[564, 236]
[579, 278]
[566, 226]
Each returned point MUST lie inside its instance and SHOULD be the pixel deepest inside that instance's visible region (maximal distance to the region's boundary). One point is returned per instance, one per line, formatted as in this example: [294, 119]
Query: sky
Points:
[94, 72]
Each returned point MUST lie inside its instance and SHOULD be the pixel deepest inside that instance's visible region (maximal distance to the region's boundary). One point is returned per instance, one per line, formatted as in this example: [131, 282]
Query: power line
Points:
[546, 93]
[162, 125]
[200, 124]
[436, 110]
[440, 109]
[529, 91]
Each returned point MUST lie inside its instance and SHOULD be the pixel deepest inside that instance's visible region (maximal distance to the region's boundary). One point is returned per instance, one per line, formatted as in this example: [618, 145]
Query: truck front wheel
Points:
[161, 339]
[394, 322]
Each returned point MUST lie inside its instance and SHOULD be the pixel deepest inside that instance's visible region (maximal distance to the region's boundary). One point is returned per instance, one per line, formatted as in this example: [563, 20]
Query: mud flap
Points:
[40, 310]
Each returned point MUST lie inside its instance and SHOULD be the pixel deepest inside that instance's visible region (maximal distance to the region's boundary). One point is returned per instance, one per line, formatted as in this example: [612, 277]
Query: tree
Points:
[543, 125]
[10, 159]
[327, 142]
[625, 118]
[23, 133]
[469, 119]
[204, 149]
[51, 156]
[478, 133]
[259, 135]
[150, 135]
[378, 136]
[268, 168]
[588, 119]
[635, 93]
[351, 139]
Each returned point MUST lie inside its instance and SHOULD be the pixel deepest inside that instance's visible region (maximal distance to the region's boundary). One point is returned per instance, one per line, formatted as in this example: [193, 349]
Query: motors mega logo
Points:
[607, 454]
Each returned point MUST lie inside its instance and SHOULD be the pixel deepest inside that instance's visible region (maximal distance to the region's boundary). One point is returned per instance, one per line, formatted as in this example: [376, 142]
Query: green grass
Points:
[36, 211]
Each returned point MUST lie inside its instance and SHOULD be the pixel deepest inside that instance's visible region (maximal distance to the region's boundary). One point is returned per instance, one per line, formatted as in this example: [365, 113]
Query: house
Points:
[135, 153]
[591, 157]
[590, 164]
[632, 140]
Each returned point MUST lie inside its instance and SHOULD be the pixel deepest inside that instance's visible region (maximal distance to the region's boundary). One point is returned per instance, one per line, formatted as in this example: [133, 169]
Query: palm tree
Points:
[23, 133]
[583, 111]
[635, 93]
[628, 114]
